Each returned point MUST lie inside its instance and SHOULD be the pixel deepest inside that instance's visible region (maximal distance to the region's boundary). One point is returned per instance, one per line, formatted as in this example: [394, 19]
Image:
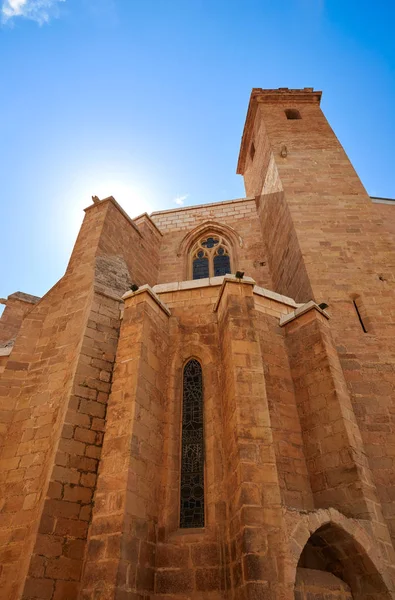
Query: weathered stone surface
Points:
[298, 408]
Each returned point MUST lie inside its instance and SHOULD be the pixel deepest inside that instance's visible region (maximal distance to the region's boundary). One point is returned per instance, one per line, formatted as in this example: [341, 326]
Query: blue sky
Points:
[146, 100]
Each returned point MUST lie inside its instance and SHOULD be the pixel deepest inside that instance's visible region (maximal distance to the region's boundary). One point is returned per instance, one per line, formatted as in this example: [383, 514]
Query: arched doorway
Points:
[335, 566]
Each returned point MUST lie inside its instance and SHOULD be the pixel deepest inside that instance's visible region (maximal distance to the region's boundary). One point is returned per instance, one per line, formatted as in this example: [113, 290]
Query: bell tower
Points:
[326, 241]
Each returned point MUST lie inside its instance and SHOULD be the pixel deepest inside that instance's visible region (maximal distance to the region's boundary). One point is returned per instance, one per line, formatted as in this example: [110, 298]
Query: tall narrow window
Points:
[192, 448]
[200, 265]
[210, 257]
[221, 262]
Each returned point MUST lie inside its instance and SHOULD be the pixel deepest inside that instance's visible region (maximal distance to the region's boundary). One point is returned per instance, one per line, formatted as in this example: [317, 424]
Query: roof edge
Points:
[193, 207]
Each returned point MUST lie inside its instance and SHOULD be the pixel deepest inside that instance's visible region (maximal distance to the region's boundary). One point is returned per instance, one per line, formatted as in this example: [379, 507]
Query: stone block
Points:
[39, 588]
[174, 581]
[168, 555]
[259, 568]
[64, 568]
[205, 555]
[208, 579]
[66, 590]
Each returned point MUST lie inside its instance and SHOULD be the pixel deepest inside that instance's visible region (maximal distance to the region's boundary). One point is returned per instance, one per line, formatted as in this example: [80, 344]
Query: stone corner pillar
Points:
[122, 535]
[339, 472]
[257, 531]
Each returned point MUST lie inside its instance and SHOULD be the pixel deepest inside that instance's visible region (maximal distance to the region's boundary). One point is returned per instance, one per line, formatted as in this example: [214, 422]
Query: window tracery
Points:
[210, 257]
[192, 448]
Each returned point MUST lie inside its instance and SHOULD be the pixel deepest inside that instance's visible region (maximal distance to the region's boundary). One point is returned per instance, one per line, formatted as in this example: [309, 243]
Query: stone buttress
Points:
[295, 435]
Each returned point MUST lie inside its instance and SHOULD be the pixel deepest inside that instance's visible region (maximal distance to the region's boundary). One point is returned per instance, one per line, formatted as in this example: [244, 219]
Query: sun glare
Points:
[133, 197]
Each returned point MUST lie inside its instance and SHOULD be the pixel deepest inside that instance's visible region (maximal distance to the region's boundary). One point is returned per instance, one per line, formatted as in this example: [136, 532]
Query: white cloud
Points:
[36, 10]
[180, 199]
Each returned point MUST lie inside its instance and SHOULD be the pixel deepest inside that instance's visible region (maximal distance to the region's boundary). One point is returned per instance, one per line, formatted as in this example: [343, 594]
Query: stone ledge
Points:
[301, 310]
[377, 200]
[6, 351]
[276, 297]
[149, 290]
[175, 286]
[187, 536]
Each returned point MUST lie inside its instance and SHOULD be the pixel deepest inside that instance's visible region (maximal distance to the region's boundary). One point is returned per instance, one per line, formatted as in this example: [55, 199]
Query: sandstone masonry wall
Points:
[240, 215]
[17, 306]
[54, 391]
[347, 253]
[298, 402]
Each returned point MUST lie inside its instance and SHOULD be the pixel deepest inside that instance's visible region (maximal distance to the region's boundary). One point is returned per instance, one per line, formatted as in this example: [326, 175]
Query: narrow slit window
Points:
[192, 448]
[359, 310]
[252, 150]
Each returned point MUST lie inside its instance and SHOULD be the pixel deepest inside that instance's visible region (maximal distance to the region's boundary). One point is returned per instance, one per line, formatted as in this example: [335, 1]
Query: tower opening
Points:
[292, 113]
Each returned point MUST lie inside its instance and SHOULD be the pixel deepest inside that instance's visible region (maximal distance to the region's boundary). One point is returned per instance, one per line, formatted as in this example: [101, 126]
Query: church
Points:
[203, 406]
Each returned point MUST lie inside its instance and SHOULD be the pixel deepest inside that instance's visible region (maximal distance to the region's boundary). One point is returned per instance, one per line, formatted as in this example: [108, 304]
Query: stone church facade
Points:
[203, 406]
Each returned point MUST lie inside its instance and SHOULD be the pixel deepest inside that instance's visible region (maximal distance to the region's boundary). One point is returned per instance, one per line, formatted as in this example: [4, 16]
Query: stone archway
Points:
[334, 565]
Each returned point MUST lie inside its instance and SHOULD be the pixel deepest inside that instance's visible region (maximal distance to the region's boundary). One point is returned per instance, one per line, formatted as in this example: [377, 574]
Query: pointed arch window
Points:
[192, 448]
[210, 257]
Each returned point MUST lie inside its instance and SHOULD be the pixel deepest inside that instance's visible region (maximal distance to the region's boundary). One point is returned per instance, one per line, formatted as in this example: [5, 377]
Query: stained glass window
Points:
[192, 448]
[200, 267]
[210, 242]
[221, 263]
[210, 257]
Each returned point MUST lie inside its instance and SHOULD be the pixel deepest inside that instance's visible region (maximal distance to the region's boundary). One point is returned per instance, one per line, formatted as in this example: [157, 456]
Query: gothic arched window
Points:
[192, 448]
[210, 257]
